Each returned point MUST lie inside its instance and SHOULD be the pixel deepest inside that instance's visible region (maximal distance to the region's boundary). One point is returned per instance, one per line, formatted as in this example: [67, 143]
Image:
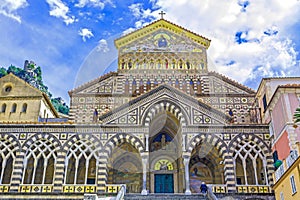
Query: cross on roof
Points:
[162, 13]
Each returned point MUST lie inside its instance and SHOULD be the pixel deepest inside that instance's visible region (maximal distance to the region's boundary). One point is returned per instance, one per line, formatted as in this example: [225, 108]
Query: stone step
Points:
[164, 197]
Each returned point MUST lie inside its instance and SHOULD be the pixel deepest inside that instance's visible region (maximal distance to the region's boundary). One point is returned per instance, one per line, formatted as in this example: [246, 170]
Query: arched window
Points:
[148, 85]
[250, 164]
[126, 89]
[188, 65]
[184, 85]
[191, 86]
[40, 161]
[199, 87]
[81, 163]
[14, 108]
[141, 87]
[155, 83]
[7, 158]
[24, 108]
[134, 92]
[3, 108]
[177, 84]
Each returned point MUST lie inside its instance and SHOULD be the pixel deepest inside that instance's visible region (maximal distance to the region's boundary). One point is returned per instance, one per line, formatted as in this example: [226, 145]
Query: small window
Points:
[281, 196]
[265, 102]
[8, 88]
[24, 108]
[3, 108]
[13, 108]
[294, 189]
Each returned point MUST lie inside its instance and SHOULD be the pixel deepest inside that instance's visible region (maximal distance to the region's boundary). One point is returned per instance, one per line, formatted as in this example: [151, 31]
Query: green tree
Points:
[297, 115]
[3, 72]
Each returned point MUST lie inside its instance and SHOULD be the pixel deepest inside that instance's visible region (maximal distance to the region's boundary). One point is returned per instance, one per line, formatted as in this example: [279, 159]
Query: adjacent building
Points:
[20, 102]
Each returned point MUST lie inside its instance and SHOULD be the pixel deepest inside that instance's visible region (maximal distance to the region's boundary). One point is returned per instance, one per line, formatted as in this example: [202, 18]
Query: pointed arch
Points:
[82, 157]
[254, 155]
[40, 157]
[164, 105]
[9, 146]
[123, 137]
[208, 138]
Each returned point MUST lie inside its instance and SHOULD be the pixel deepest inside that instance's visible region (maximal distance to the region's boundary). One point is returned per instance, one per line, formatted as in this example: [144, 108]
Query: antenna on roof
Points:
[162, 13]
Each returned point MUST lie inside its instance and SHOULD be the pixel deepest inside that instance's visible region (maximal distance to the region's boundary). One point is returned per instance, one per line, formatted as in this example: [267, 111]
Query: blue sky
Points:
[72, 40]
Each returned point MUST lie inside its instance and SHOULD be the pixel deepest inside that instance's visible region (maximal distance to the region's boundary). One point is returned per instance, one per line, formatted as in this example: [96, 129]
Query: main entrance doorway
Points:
[163, 183]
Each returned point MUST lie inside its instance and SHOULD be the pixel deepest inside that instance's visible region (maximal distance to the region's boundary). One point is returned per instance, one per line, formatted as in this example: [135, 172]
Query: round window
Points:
[7, 88]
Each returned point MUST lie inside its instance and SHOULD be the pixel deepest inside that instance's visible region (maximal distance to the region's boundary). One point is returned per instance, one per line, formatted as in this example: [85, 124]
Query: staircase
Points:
[164, 197]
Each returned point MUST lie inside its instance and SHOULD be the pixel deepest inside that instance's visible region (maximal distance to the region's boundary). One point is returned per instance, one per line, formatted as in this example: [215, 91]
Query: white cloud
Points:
[94, 3]
[263, 27]
[8, 8]
[60, 10]
[141, 14]
[85, 33]
[102, 46]
[138, 11]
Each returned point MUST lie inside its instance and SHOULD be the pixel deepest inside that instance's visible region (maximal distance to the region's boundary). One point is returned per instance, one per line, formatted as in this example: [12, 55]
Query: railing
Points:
[35, 188]
[113, 188]
[279, 172]
[218, 188]
[291, 158]
[286, 164]
[210, 194]
[4, 188]
[79, 189]
[253, 189]
[121, 193]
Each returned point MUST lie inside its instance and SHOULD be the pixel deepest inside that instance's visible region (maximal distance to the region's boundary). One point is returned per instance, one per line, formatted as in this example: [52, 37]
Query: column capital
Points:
[145, 155]
[186, 156]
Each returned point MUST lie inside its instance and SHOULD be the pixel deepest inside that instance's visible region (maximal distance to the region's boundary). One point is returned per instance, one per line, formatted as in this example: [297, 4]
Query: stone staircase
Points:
[164, 197]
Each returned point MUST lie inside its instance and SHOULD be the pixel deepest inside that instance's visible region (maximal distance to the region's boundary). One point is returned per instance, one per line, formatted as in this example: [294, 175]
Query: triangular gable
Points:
[163, 40]
[102, 84]
[19, 87]
[134, 112]
[223, 85]
[161, 24]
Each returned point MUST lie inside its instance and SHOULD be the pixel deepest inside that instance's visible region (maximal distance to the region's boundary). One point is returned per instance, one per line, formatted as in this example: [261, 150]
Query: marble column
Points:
[147, 142]
[186, 161]
[144, 161]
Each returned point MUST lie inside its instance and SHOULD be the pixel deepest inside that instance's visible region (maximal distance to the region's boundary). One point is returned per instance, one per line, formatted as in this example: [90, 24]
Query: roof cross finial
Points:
[162, 13]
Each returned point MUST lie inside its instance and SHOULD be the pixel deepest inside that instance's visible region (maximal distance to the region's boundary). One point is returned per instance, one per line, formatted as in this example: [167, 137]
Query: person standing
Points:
[203, 188]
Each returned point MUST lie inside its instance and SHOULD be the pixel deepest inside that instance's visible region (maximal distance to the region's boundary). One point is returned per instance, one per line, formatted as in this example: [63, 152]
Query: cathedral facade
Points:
[162, 123]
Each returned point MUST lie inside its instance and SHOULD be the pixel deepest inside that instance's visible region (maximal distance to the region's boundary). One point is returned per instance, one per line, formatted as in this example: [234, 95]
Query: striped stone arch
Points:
[251, 137]
[266, 151]
[165, 105]
[89, 137]
[211, 139]
[12, 139]
[41, 149]
[48, 136]
[9, 146]
[123, 137]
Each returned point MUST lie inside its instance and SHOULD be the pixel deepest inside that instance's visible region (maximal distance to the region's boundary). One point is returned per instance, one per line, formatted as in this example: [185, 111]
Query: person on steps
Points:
[203, 188]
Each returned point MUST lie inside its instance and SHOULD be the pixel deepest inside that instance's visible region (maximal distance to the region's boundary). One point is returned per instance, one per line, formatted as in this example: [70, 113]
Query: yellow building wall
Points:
[31, 114]
[284, 185]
